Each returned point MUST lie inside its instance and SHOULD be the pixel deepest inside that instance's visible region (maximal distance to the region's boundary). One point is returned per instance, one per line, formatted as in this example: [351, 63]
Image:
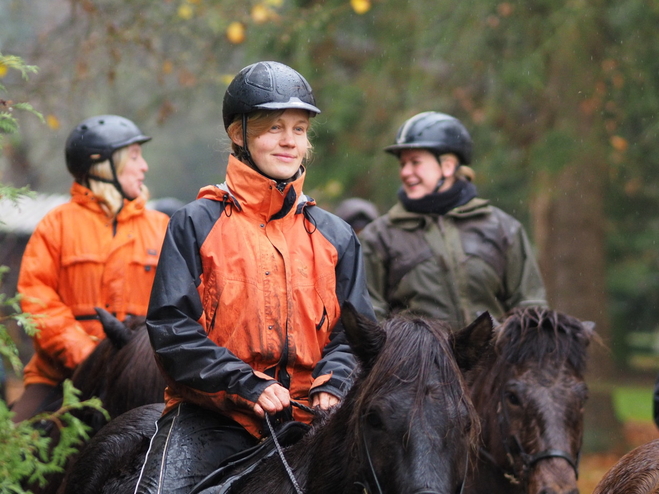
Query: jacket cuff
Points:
[325, 384]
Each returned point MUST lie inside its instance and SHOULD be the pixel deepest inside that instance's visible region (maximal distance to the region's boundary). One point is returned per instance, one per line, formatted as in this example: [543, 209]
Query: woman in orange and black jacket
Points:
[244, 313]
[98, 250]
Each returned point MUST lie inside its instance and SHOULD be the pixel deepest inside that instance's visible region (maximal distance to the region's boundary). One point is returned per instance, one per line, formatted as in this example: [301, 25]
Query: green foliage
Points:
[27, 453]
[8, 123]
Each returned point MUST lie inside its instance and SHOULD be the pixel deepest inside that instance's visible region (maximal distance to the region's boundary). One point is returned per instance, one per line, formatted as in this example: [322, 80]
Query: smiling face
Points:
[133, 170]
[278, 152]
[420, 172]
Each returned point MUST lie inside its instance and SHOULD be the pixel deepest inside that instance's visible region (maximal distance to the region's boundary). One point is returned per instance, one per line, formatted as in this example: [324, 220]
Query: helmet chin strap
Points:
[114, 180]
[246, 155]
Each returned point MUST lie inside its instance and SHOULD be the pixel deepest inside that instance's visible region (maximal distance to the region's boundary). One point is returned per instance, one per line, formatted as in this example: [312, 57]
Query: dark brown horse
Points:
[121, 370]
[529, 392]
[407, 425]
[635, 473]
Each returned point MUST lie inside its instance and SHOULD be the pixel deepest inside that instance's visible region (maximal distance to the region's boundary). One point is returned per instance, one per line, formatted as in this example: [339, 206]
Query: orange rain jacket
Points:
[248, 289]
[78, 259]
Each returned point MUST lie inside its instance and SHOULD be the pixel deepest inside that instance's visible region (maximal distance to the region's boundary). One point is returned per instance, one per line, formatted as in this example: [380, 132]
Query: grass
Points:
[633, 404]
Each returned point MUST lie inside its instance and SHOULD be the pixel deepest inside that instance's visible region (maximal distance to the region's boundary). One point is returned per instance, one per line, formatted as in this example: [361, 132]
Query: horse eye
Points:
[374, 420]
[513, 399]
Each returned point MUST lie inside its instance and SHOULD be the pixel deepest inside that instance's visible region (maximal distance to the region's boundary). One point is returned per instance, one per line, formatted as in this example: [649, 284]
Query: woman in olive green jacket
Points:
[441, 251]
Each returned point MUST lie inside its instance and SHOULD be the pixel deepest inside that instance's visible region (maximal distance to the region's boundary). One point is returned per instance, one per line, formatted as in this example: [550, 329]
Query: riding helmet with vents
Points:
[267, 86]
[437, 132]
[95, 139]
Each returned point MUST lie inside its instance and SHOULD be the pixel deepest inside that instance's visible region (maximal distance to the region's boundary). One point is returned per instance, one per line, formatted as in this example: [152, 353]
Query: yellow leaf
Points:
[260, 13]
[227, 78]
[53, 122]
[619, 143]
[167, 67]
[236, 32]
[360, 6]
[185, 11]
[3, 70]
[275, 3]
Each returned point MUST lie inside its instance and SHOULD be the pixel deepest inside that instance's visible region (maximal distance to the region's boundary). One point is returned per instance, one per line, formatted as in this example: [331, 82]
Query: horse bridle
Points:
[528, 460]
[365, 485]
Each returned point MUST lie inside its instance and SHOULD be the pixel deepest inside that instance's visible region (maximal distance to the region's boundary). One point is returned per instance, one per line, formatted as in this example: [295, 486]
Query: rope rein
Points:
[280, 451]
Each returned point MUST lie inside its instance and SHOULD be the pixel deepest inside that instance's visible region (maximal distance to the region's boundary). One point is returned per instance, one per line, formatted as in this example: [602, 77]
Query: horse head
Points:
[530, 394]
[409, 416]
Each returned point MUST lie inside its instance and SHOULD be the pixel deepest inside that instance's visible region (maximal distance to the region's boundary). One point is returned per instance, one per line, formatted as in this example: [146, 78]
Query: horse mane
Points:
[539, 335]
[416, 348]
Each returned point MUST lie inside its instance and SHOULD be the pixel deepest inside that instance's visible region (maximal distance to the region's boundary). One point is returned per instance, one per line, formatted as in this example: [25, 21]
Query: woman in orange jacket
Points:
[98, 250]
[244, 313]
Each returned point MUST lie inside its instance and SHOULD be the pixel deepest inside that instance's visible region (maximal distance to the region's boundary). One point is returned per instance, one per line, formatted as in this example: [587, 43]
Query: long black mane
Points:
[416, 348]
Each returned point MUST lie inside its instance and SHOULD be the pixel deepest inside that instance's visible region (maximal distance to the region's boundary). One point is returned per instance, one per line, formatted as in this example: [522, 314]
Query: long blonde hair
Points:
[109, 197]
[258, 123]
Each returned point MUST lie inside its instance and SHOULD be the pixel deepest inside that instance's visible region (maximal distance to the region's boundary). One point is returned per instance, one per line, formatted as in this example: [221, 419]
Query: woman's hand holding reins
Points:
[274, 398]
[324, 400]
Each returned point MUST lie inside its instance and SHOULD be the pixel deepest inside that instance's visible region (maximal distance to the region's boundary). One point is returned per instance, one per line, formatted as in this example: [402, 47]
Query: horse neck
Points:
[327, 454]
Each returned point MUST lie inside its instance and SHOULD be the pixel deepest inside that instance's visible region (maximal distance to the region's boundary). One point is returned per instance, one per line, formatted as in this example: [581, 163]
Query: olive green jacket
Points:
[453, 266]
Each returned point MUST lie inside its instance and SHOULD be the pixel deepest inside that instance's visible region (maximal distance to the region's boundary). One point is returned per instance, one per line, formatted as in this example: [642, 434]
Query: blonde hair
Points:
[465, 173]
[259, 122]
[107, 194]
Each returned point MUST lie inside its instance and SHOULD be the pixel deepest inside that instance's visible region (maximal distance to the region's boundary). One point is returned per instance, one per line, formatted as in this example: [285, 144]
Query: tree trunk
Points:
[569, 224]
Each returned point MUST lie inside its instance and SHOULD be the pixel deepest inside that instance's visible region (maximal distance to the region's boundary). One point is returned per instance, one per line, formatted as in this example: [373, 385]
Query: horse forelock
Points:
[544, 338]
[417, 352]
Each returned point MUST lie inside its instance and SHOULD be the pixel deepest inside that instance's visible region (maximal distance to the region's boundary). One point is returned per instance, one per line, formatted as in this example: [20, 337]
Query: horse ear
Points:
[365, 336]
[470, 343]
[115, 330]
[589, 327]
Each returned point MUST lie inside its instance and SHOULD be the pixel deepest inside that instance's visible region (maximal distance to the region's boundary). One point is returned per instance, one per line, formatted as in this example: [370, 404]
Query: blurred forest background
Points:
[561, 98]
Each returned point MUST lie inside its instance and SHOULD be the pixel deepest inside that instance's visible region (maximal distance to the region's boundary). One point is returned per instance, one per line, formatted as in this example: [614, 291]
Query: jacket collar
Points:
[257, 195]
[86, 198]
[410, 221]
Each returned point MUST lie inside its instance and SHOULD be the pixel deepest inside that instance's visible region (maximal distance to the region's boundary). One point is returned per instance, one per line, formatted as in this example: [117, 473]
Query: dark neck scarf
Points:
[440, 202]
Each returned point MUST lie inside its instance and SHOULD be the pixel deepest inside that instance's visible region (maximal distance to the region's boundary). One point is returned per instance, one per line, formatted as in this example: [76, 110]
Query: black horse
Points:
[406, 426]
[529, 392]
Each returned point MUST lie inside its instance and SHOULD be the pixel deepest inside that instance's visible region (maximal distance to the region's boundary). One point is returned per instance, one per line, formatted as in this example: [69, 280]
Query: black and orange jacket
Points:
[248, 289]
[77, 259]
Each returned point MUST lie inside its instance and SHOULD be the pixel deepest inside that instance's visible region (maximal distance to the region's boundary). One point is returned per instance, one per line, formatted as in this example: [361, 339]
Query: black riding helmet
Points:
[265, 86]
[437, 132]
[94, 140]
